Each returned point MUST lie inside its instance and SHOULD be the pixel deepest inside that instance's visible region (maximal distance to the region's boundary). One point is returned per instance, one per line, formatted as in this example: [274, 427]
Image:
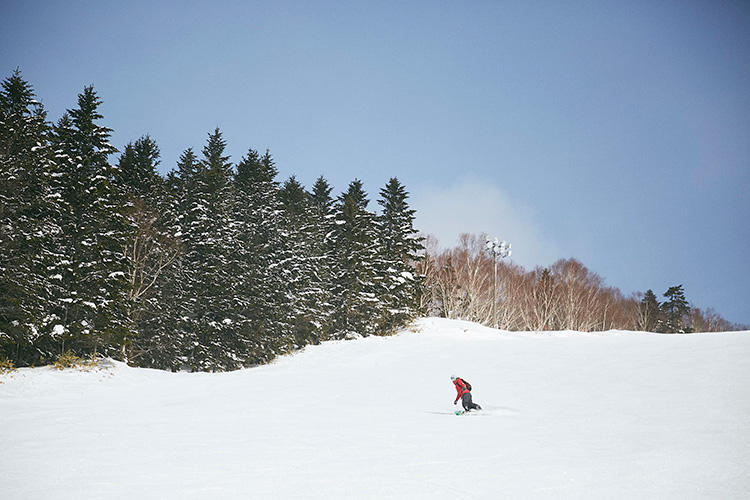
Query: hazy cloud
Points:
[471, 206]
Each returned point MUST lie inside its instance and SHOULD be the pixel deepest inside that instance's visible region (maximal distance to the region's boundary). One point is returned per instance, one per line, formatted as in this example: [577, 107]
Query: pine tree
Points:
[167, 326]
[676, 311]
[207, 324]
[321, 196]
[152, 246]
[401, 249]
[262, 259]
[322, 253]
[294, 198]
[356, 281]
[29, 212]
[94, 308]
[136, 169]
[218, 168]
[649, 313]
[309, 265]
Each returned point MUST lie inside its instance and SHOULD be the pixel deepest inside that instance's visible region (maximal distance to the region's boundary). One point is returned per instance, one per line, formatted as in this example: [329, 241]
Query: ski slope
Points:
[567, 415]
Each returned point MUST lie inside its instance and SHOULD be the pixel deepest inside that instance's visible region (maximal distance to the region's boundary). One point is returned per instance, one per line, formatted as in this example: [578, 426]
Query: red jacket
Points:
[460, 388]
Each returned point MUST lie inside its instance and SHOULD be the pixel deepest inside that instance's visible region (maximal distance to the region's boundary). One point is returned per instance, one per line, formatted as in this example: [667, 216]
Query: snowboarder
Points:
[463, 388]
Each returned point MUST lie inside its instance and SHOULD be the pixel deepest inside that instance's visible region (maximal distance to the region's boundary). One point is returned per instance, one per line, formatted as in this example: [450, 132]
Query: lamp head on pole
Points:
[500, 249]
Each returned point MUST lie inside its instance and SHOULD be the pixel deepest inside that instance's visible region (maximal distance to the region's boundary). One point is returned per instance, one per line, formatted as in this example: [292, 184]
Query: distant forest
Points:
[460, 283]
[218, 265]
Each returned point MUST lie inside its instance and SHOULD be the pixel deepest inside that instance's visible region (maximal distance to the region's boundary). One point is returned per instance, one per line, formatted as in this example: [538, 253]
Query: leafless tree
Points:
[566, 295]
[148, 252]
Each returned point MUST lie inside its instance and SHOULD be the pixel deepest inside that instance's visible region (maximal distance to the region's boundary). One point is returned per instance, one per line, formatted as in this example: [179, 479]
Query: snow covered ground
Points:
[567, 415]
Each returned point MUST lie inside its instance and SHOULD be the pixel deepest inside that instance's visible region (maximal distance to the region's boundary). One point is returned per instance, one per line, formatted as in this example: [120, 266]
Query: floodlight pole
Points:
[498, 249]
[494, 300]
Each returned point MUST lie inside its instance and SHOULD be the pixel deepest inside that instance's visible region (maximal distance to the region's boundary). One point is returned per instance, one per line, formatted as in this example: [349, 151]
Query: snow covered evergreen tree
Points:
[151, 247]
[357, 284]
[676, 311]
[263, 258]
[167, 328]
[94, 308]
[401, 248]
[321, 238]
[205, 304]
[308, 265]
[29, 214]
[136, 169]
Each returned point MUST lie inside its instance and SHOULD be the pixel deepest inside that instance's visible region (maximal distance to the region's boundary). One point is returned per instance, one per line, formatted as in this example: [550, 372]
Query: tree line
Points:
[218, 265]
[214, 266]
[459, 283]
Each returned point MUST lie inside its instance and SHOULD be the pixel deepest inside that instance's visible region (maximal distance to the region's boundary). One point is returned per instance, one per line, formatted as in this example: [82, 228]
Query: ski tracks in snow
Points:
[487, 411]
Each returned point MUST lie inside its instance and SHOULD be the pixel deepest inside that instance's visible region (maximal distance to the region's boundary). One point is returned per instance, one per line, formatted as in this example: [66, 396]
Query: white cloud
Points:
[472, 206]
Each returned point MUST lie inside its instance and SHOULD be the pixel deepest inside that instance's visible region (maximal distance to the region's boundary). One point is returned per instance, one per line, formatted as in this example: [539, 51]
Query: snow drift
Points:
[567, 415]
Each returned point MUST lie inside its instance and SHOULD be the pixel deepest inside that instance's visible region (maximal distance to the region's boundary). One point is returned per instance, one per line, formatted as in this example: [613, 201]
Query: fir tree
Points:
[262, 259]
[309, 266]
[168, 335]
[356, 281]
[136, 170]
[204, 306]
[29, 214]
[676, 311]
[152, 245]
[218, 168]
[294, 197]
[94, 308]
[320, 197]
[187, 166]
[401, 248]
[322, 253]
[649, 313]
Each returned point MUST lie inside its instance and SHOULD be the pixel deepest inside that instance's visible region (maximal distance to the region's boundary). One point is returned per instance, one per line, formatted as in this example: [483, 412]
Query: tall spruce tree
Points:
[649, 313]
[205, 307]
[151, 247]
[357, 284]
[94, 308]
[307, 265]
[168, 324]
[29, 213]
[401, 248]
[136, 170]
[262, 257]
[322, 253]
[676, 311]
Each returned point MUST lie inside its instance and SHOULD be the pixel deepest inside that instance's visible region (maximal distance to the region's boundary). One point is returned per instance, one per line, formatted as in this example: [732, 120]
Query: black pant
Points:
[468, 404]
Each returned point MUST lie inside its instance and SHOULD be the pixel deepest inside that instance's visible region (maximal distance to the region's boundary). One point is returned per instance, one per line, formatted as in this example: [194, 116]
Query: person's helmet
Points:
[453, 377]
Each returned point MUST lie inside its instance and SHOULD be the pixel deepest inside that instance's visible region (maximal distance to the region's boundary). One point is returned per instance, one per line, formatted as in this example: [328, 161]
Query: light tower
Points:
[498, 249]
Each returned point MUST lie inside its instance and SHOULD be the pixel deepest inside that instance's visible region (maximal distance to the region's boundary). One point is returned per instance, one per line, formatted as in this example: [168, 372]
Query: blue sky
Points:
[616, 132]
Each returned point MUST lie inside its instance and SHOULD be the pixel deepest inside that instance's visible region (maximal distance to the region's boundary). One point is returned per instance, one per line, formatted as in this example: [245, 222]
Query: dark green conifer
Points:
[676, 311]
[262, 259]
[357, 285]
[649, 313]
[137, 167]
[401, 248]
[95, 308]
[29, 227]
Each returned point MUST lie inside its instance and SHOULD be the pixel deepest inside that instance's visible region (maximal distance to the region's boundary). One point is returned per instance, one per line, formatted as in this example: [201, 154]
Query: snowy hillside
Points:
[567, 415]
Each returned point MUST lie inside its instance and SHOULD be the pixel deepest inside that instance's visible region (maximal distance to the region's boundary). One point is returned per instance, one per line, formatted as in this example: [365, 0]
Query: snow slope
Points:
[567, 415]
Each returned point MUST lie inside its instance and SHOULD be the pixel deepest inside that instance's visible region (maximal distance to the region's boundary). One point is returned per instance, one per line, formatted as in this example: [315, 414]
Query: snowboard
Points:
[464, 412]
